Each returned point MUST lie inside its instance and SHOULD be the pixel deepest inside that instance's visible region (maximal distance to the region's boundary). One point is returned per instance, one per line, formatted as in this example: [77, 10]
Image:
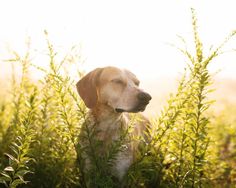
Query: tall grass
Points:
[40, 124]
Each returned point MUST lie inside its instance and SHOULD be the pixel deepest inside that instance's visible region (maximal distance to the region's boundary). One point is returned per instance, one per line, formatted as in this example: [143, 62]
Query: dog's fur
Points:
[110, 93]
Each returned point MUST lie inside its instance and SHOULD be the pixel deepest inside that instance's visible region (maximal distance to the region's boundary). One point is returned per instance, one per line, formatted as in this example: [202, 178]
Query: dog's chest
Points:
[116, 133]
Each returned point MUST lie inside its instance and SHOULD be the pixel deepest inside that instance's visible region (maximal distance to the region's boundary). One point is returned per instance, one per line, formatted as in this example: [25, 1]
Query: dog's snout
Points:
[144, 96]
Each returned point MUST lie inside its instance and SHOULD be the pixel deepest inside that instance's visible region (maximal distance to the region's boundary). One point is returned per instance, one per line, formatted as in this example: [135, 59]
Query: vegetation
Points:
[40, 124]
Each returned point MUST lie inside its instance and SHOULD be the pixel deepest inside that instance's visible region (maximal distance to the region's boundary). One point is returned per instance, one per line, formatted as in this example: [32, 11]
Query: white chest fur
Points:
[111, 131]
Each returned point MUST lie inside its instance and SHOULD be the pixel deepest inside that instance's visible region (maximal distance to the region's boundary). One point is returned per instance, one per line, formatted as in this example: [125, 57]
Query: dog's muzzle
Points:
[143, 101]
[144, 97]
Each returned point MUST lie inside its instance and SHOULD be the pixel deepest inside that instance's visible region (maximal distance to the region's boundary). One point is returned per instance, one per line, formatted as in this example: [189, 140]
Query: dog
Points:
[111, 94]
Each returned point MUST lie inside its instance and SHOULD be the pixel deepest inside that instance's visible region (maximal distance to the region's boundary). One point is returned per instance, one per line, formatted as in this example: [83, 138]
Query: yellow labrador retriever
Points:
[111, 93]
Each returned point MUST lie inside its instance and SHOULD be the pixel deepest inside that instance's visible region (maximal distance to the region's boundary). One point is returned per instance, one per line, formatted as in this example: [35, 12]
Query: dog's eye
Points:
[117, 81]
[136, 83]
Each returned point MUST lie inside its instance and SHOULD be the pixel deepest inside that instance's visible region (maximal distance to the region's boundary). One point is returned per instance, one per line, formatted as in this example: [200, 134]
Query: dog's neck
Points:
[103, 113]
[109, 122]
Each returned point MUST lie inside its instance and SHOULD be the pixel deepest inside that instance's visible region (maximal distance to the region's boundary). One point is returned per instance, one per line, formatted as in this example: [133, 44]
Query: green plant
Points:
[18, 167]
[177, 153]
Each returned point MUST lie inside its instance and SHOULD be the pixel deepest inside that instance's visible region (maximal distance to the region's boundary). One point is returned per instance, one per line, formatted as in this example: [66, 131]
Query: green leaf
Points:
[5, 176]
[17, 182]
[12, 157]
[22, 172]
[9, 169]
[15, 150]
[3, 181]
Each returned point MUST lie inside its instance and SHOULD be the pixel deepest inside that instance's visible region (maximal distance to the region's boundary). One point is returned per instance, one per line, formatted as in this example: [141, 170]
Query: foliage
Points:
[41, 121]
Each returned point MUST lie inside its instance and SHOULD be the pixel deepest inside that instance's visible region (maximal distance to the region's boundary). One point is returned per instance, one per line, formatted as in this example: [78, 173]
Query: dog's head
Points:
[119, 89]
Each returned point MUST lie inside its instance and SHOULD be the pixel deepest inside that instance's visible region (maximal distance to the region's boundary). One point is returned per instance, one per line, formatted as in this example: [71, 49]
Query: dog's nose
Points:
[144, 96]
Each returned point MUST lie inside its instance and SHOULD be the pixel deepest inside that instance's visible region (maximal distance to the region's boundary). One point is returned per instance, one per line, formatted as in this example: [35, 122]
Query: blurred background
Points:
[136, 35]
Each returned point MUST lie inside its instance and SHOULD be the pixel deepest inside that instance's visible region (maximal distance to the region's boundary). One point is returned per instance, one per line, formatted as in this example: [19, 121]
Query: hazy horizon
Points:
[160, 89]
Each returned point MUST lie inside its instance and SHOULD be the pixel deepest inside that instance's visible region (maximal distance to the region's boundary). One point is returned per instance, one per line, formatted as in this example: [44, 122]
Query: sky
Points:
[131, 34]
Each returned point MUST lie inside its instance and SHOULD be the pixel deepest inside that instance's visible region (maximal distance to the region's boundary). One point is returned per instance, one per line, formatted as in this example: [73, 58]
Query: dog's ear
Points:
[87, 88]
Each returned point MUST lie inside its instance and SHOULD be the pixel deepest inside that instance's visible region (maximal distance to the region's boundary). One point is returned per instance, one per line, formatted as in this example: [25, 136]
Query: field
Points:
[192, 138]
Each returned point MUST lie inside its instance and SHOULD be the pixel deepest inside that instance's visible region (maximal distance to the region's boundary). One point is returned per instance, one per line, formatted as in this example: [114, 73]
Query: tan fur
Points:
[106, 91]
